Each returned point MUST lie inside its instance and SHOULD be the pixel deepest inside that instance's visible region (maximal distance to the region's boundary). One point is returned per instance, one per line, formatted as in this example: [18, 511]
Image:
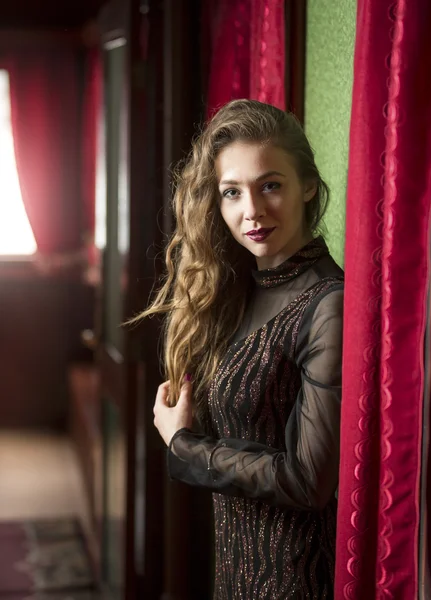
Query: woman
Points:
[254, 305]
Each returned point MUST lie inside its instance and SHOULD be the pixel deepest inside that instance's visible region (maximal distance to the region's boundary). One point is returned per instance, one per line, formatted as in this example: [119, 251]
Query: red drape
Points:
[247, 51]
[387, 270]
[45, 123]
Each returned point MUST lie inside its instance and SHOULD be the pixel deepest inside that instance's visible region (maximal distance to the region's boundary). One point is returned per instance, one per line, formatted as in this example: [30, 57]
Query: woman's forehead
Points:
[243, 161]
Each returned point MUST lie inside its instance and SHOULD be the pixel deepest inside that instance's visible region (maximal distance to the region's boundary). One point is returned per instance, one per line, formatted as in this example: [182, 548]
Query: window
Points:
[16, 236]
[100, 226]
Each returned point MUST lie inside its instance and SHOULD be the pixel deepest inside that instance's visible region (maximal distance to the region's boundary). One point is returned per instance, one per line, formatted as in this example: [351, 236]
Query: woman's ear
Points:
[310, 190]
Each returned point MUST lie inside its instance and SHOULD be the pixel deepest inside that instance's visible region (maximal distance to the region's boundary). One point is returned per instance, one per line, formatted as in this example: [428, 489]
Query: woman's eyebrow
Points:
[263, 176]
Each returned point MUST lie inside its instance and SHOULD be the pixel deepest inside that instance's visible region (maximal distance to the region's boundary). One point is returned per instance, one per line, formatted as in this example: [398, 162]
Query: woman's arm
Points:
[306, 475]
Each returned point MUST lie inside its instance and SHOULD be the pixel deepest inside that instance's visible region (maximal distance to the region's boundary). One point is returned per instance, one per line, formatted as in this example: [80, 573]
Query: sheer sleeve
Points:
[303, 475]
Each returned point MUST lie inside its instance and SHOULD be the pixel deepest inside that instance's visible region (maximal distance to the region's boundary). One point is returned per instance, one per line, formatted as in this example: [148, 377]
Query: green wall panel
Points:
[328, 93]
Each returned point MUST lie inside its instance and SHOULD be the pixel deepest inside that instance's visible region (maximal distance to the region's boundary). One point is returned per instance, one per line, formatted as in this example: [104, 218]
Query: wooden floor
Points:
[39, 476]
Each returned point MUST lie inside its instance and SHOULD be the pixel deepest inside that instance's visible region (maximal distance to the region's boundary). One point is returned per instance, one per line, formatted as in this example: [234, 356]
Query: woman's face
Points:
[263, 201]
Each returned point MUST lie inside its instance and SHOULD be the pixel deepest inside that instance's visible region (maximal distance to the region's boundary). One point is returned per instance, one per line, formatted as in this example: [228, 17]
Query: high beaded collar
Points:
[293, 266]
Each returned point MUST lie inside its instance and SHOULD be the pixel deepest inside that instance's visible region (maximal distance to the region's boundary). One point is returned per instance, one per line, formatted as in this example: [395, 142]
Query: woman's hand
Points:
[169, 419]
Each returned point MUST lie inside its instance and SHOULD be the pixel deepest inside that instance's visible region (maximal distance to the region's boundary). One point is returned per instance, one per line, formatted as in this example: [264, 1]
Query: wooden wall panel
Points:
[40, 324]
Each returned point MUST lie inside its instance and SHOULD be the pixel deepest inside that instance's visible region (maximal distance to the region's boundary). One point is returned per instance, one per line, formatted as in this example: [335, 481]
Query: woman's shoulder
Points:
[327, 292]
[327, 268]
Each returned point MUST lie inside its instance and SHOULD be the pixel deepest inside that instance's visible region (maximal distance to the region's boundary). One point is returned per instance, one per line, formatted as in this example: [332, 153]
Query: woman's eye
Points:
[230, 193]
[271, 186]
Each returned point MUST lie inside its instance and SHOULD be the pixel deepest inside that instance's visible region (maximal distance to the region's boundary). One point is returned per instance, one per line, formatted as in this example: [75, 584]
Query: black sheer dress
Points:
[272, 459]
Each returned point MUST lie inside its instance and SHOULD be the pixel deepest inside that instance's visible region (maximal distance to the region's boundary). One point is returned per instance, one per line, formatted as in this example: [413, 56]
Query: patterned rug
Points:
[39, 560]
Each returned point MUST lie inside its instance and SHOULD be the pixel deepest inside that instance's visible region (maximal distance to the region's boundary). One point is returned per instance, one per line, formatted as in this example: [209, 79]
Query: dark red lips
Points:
[259, 235]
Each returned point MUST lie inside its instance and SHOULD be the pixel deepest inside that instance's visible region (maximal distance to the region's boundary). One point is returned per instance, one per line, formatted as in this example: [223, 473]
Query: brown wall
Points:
[40, 323]
[49, 13]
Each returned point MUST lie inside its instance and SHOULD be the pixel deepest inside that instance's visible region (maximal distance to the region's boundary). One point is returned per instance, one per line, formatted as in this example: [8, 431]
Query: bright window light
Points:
[100, 229]
[16, 236]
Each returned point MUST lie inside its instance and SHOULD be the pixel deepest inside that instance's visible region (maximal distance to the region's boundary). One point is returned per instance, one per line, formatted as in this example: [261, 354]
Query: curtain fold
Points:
[387, 272]
[44, 88]
[246, 41]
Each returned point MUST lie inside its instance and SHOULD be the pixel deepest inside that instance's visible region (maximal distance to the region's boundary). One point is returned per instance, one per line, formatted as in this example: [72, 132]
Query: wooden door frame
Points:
[146, 462]
[137, 377]
[295, 49]
[177, 133]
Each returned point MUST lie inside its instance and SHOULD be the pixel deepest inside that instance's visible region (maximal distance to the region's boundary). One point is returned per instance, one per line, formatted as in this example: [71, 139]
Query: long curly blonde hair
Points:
[204, 292]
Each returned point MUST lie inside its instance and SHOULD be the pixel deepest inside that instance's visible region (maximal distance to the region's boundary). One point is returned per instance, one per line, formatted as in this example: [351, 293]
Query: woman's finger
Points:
[163, 393]
[186, 392]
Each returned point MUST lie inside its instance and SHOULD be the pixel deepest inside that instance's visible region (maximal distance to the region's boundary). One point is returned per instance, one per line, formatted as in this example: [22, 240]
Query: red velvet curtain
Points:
[44, 87]
[387, 271]
[246, 50]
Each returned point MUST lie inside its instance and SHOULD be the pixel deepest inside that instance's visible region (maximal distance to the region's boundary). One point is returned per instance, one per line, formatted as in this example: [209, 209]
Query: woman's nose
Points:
[254, 206]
